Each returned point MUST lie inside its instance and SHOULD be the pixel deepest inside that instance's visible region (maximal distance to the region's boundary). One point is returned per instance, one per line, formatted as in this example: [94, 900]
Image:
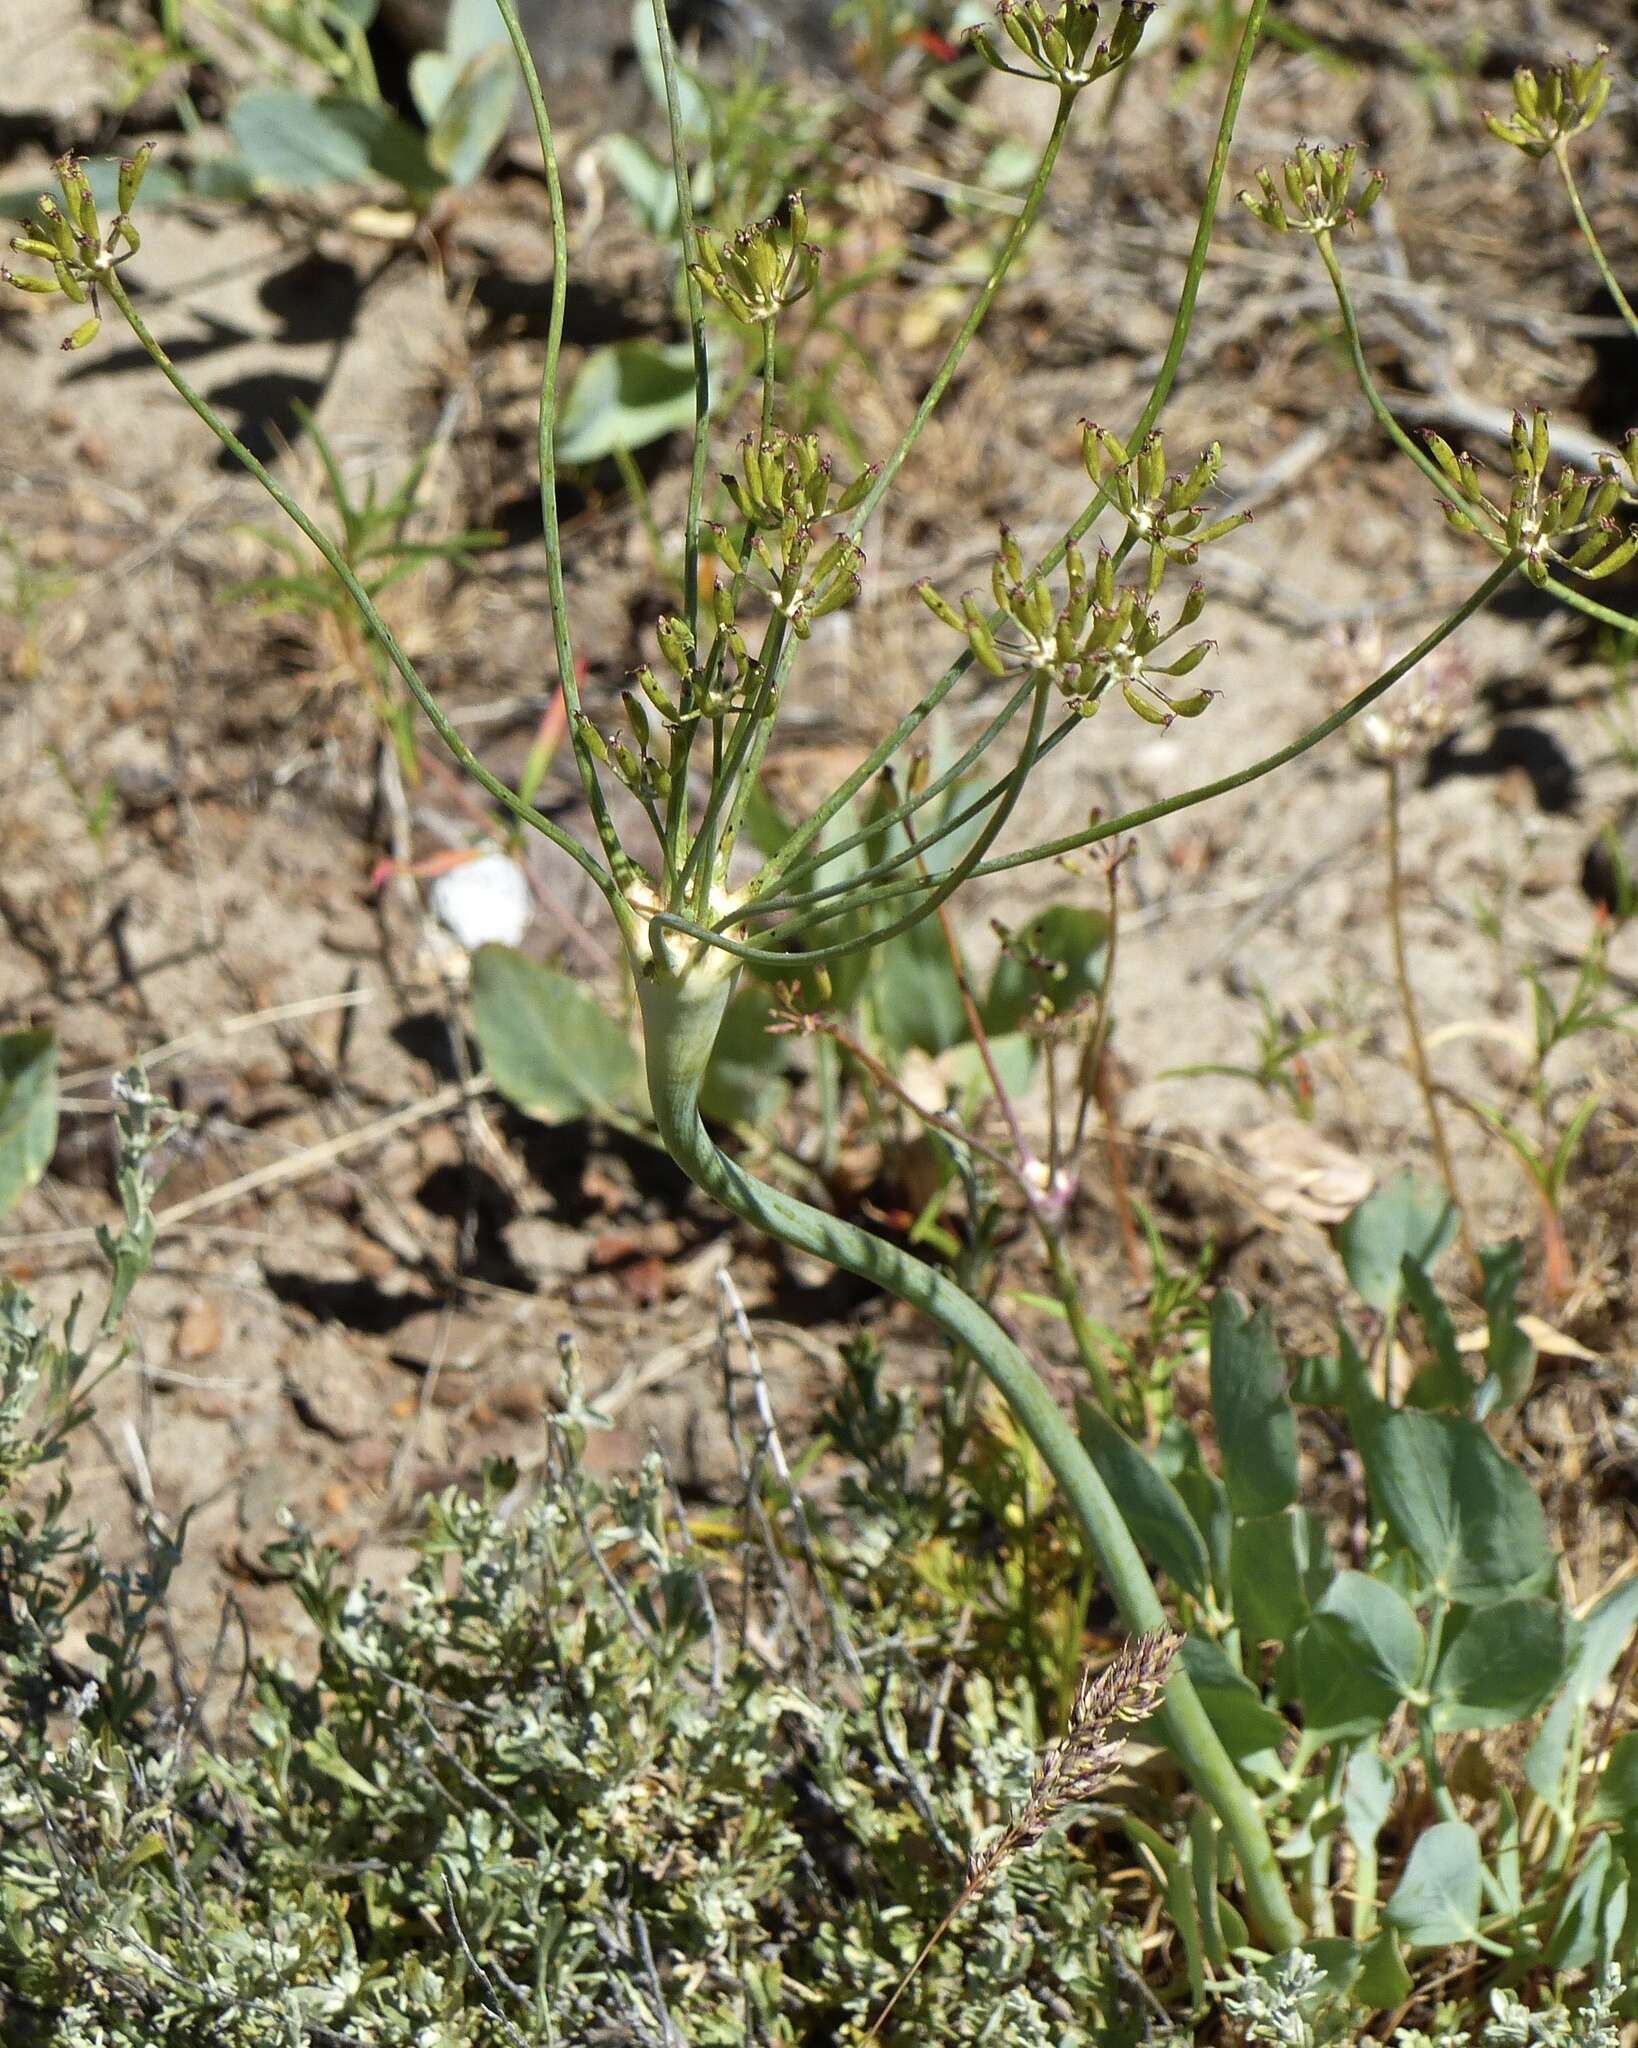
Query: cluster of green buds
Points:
[783, 492]
[706, 683]
[1568, 525]
[1058, 48]
[1100, 637]
[763, 269]
[70, 239]
[1623, 466]
[1162, 510]
[1551, 106]
[1314, 193]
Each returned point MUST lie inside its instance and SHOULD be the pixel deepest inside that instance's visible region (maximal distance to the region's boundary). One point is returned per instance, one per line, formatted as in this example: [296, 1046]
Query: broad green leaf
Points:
[1358, 1658]
[1247, 1727]
[1446, 1383]
[1404, 1218]
[626, 396]
[474, 25]
[1383, 1982]
[1060, 953]
[1470, 1518]
[1436, 1902]
[1149, 1503]
[549, 1048]
[1617, 1796]
[1604, 1633]
[292, 142]
[1332, 1379]
[28, 1111]
[745, 1082]
[1256, 1425]
[1498, 1664]
[1594, 1911]
[912, 995]
[1546, 1757]
[1280, 1566]
[1367, 1797]
[1509, 1352]
[474, 115]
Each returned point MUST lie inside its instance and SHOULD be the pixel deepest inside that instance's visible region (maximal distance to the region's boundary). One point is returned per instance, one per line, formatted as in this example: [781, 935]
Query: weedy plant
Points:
[1059, 638]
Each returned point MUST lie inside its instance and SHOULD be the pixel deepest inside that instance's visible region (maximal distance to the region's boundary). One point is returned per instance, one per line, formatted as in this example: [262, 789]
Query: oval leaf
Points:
[1404, 1219]
[1470, 1518]
[550, 1050]
[28, 1111]
[624, 397]
[1498, 1664]
[1256, 1424]
[1436, 1902]
[1358, 1658]
[1149, 1504]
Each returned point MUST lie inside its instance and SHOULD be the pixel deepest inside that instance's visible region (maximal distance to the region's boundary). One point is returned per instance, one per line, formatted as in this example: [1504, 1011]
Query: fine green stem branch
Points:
[1183, 320]
[504, 796]
[1612, 284]
[681, 1013]
[1129, 821]
[1420, 1065]
[1384, 414]
[620, 863]
[696, 317]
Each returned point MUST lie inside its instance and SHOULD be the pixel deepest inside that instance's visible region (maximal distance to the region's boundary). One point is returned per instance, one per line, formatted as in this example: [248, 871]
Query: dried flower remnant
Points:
[1430, 705]
[1073, 1771]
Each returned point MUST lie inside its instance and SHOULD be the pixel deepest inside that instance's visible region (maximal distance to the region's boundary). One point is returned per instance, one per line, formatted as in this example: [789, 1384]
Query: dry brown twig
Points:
[1072, 1772]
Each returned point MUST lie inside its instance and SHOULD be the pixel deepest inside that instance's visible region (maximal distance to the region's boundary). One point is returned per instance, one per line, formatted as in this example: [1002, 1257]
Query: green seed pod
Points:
[1191, 707]
[132, 170]
[69, 285]
[727, 550]
[676, 644]
[637, 716]
[65, 246]
[940, 607]
[1538, 440]
[859, 489]
[1186, 664]
[1144, 709]
[25, 281]
[1618, 557]
[590, 740]
[649, 684]
[76, 190]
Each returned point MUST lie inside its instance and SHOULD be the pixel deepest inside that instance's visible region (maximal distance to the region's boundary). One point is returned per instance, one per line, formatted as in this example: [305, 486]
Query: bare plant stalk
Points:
[1073, 1771]
[1413, 1023]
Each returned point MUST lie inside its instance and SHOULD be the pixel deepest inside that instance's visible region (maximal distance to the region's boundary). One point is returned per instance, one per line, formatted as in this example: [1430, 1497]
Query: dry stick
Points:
[1413, 1026]
[1074, 1770]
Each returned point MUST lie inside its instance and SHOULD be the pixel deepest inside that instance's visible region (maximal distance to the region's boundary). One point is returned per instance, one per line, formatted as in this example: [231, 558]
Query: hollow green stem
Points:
[507, 798]
[939, 888]
[1623, 305]
[1384, 414]
[620, 863]
[681, 1014]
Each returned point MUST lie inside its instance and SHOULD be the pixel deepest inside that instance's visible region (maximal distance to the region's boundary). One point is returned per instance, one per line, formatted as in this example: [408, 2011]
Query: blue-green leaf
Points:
[1358, 1658]
[1470, 1518]
[1256, 1424]
[1498, 1664]
[1148, 1502]
[28, 1111]
[1404, 1218]
[626, 396]
[1436, 1902]
[549, 1047]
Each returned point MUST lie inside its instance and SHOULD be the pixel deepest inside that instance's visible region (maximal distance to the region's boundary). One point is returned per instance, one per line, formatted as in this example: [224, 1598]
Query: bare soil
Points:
[373, 1323]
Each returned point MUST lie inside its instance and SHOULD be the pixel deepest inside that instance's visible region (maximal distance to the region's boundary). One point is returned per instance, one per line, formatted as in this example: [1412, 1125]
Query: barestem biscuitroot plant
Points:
[690, 918]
